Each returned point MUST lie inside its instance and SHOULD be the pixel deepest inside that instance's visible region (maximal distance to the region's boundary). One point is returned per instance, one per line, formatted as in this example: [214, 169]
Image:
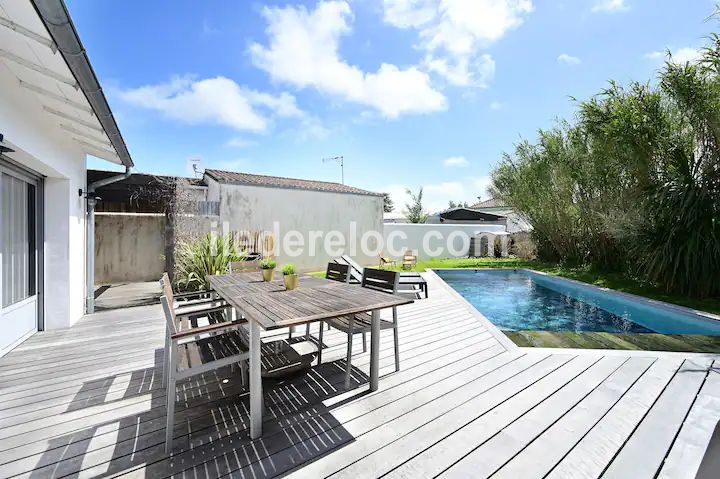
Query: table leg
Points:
[256, 393]
[375, 350]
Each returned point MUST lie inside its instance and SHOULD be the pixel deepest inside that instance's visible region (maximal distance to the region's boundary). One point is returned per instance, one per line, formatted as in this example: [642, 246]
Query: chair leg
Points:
[170, 423]
[320, 344]
[397, 349]
[166, 356]
[364, 337]
[348, 361]
[396, 340]
[243, 372]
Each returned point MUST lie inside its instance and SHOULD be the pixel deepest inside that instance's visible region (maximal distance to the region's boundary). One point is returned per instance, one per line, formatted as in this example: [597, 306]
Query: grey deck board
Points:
[645, 450]
[546, 450]
[89, 401]
[595, 450]
[687, 452]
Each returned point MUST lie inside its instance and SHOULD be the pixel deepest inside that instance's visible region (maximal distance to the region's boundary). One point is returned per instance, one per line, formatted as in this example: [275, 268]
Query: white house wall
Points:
[257, 208]
[49, 152]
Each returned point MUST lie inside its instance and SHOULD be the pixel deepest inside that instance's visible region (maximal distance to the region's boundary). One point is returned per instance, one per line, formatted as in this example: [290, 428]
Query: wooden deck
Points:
[88, 402]
[693, 343]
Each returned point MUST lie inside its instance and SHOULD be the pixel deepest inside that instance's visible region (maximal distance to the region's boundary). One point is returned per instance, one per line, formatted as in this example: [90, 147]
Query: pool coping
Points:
[509, 345]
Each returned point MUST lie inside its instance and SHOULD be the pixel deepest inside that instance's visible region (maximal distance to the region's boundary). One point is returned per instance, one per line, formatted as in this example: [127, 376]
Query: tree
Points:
[388, 205]
[633, 182]
[415, 213]
[459, 204]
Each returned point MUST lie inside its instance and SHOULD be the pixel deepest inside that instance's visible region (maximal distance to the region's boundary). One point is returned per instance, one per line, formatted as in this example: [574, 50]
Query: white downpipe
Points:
[90, 237]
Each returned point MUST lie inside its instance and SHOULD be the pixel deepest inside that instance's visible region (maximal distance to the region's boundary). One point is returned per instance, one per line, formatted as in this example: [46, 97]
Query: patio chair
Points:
[193, 301]
[409, 280]
[191, 350]
[409, 260]
[334, 272]
[379, 280]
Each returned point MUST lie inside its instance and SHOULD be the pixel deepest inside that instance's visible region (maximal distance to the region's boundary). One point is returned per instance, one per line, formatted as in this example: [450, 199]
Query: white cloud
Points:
[610, 6]
[436, 196]
[239, 142]
[216, 100]
[496, 105]
[303, 51]
[455, 161]
[239, 164]
[452, 33]
[568, 59]
[311, 128]
[481, 185]
[679, 56]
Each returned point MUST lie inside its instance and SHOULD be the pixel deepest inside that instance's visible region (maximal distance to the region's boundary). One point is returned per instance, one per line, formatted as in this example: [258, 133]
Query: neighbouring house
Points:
[53, 113]
[308, 207]
[515, 223]
[135, 236]
[394, 217]
[465, 215]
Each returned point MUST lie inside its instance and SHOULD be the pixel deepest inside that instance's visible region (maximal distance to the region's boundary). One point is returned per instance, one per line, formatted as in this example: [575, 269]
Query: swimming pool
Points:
[520, 300]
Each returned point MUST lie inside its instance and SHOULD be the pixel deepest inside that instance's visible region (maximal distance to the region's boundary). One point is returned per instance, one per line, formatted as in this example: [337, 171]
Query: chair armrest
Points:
[190, 311]
[192, 294]
[210, 328]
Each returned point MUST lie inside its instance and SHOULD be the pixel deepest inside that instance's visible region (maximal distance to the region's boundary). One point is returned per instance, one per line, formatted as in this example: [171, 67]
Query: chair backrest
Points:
[380, 280]
[355, 269]
[338, 272]
[242, 266]
[168, 303]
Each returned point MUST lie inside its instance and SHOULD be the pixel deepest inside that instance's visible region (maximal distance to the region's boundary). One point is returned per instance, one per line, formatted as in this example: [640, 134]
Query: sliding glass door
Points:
[19, 258]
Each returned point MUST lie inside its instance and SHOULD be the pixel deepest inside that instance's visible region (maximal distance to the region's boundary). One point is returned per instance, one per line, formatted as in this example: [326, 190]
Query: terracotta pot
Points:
[268, 274]
[291, 281]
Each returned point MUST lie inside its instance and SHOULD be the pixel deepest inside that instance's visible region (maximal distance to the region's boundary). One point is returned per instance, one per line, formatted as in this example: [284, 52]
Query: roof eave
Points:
[57, 21]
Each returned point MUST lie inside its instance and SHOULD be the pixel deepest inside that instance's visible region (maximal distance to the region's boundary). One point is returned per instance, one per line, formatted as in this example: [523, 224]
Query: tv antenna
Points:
[341, 160]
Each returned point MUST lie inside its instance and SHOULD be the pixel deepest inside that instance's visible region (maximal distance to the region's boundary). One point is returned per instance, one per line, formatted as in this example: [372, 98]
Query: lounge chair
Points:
[386, 262]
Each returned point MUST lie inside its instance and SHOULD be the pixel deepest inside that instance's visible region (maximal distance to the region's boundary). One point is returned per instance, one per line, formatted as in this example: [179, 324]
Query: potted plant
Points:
[290, 276]
[267, 265]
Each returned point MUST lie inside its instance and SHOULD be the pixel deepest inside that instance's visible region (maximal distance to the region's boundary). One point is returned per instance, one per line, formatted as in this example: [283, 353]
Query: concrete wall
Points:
[129, 247]
[443, 240]
[45, 149]
[281, 210]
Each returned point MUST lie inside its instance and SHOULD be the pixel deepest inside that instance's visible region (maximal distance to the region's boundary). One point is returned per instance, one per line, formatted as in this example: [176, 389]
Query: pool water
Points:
[516, 300]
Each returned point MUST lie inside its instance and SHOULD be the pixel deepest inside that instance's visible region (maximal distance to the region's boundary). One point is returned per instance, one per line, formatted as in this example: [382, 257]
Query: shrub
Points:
[200, 258]
[288, 269]
[267, 263]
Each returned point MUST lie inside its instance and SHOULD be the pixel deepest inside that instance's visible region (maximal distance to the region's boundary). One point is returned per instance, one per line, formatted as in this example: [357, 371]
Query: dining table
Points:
[268, 305]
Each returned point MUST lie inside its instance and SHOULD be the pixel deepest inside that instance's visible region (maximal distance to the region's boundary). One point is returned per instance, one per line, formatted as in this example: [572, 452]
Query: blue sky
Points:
[411, 92]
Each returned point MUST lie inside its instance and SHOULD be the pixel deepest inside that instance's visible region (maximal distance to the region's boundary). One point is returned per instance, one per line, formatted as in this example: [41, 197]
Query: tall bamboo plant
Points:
[207, 255]
[633, 182]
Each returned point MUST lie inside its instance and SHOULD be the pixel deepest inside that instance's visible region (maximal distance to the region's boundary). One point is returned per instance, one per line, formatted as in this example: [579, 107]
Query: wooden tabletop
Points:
[315, 299]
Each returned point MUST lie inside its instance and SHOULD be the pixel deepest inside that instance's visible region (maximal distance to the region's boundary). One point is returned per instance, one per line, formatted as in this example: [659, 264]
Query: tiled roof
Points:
[491, 203]
[280, 182]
